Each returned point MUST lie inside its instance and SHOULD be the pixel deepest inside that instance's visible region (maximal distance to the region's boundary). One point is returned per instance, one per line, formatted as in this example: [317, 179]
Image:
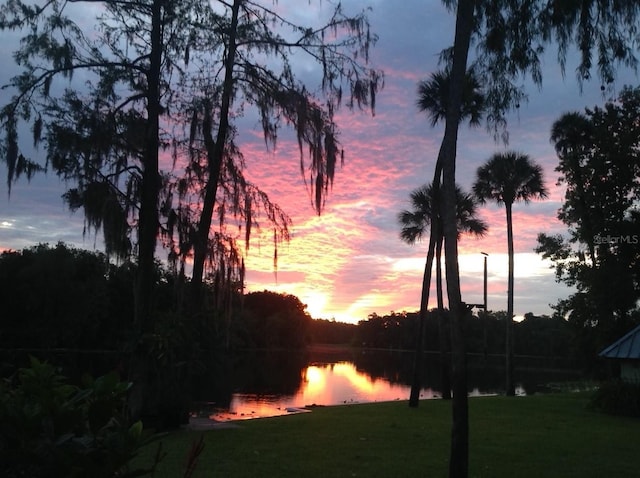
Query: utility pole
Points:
[485, 280]
[485, 318]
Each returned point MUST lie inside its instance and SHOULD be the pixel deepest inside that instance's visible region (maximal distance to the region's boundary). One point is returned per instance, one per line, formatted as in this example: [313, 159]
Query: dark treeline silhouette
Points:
[272, 320]
[323, 331]
[64, 299]
[75, 309]
[535, 336]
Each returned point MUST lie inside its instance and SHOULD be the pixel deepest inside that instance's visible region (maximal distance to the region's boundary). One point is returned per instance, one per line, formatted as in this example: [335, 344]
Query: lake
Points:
[273, 383]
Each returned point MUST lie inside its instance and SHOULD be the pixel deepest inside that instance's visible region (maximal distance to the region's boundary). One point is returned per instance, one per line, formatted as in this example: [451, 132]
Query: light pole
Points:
[485, 280]
[485, 318]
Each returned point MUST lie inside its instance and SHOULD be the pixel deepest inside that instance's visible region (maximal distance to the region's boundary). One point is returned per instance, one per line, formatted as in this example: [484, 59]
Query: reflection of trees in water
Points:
[268, 372]
[485, 375]
[392, 366]
[278, 374]
[396, 367]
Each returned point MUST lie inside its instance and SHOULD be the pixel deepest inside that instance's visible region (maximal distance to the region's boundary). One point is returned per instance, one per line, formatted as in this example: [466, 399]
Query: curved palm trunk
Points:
[439, 293]
[416, 383]
[443, 338]
[509, 384]
[459, 455]
[215, 155]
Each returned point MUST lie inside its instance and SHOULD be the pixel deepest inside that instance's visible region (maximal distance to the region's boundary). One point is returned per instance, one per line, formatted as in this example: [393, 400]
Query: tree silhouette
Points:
[505, 179]
[599, 165]
[271, 88]
[433, 98]
[571, 135]
[425, 206]
[156, 76]
[414, 222]
[510, 38]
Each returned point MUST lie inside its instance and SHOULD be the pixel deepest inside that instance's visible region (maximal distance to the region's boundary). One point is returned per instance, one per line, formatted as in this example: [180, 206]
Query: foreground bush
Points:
[49, 428]
[618, 397]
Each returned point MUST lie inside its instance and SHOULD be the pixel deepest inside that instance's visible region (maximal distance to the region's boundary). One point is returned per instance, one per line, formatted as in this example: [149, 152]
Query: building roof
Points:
[626, 347]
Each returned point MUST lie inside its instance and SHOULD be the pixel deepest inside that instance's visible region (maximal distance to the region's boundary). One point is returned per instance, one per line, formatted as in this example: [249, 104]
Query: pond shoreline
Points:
[268, 383]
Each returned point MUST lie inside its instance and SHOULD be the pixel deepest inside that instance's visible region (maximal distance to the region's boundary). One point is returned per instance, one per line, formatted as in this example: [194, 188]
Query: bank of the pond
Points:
[554, 435]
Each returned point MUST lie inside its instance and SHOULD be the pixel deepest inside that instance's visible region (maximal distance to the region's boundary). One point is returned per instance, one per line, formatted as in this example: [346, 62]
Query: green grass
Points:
[547, 436]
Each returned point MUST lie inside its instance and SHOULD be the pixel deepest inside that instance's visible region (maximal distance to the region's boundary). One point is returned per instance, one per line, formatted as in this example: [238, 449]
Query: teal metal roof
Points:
[627, 347]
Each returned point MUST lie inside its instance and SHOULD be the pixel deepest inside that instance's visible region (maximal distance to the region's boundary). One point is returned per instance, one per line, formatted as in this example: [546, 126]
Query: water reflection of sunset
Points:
[363, 383]
[315, 380]
[322, 385]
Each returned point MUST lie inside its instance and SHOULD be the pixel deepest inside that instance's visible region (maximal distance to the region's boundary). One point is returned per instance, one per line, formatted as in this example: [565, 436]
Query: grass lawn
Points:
[553, 435]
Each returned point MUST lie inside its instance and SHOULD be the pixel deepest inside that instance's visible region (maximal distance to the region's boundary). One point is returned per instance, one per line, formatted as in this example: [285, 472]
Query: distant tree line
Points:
[272, 320]
[535, 335]
[76, 308]
[60, 299]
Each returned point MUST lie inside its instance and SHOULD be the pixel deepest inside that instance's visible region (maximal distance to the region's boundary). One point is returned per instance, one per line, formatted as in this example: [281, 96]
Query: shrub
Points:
[618, 397]
[50, 428]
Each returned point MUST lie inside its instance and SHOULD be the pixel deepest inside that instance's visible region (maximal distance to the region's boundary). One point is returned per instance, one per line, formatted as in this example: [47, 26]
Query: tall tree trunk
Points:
[416, 383]
[148, 222]
[439, 291]
[215, 156]
[444, 338]
[459, 456]
[435, 236]
[150, 187]
[510, 389]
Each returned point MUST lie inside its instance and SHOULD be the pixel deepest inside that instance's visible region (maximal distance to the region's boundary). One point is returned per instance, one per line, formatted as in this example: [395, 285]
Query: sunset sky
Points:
[349, 262]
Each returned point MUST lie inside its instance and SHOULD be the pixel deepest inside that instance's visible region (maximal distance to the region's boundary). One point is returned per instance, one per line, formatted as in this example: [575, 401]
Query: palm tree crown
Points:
[423, 201]
[509, 177]
[433, 97]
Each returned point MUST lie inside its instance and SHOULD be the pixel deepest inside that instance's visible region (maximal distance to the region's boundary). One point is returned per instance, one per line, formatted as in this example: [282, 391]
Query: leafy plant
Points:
[50, 428]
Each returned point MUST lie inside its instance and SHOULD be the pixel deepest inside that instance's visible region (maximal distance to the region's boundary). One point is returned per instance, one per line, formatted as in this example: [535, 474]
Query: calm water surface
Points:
[321, 385]
[273, 384]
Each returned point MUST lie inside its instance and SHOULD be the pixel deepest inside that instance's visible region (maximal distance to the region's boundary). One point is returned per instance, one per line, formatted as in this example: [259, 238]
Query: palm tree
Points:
[507, 178]
[434, 98]
[425, 204]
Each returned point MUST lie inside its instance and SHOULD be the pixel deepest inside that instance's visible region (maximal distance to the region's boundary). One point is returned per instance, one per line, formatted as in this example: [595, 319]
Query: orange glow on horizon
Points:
[396, 287]
[315, 302]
